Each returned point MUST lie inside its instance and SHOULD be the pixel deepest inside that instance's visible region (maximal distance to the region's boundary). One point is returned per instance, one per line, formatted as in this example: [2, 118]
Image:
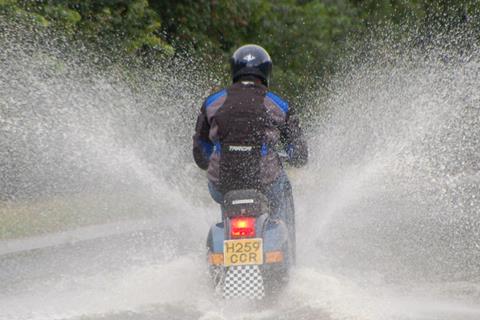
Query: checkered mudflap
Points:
[244, 281]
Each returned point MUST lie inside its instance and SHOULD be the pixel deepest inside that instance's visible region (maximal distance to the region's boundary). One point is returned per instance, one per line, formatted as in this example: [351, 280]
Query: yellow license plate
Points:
[242, 252]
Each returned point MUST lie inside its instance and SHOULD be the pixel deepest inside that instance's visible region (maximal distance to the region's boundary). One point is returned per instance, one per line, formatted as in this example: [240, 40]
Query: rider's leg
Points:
[281, 204]
[278, 196]
[216, 195]
[290, 213]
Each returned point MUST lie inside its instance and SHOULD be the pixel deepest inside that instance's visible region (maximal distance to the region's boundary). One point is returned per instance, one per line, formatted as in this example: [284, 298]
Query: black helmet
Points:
[253, 60]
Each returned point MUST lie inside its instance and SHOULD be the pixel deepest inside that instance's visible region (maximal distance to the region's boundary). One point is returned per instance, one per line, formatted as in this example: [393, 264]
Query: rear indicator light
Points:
[215, 258]
[242, 227]
[273, 257]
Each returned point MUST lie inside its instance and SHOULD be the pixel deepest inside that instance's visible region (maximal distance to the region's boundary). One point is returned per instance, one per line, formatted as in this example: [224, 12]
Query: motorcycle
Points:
[250, 252]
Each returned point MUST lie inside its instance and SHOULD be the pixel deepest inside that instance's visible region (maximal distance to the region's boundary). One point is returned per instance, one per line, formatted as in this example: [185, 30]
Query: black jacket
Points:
[282, 129]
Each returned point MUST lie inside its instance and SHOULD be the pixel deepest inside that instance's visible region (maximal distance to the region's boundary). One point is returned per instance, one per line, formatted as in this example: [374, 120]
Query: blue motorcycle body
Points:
[250, 253]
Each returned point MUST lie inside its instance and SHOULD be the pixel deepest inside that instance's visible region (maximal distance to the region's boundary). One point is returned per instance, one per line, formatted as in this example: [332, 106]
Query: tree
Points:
[131, 22]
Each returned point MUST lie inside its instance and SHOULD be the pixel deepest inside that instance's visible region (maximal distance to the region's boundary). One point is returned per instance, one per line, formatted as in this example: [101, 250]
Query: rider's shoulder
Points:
[214, 97]
[277, 100]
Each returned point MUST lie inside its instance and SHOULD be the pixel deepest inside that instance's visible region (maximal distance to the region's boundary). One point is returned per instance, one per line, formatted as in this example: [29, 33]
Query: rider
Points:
[239, 131]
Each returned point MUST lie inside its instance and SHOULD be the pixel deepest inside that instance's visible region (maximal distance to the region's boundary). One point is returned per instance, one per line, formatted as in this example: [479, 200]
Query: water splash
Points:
[71, 125]
[390, 199]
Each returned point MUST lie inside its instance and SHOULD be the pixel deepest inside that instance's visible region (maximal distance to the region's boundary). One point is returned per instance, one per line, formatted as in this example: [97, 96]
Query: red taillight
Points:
[242, 227]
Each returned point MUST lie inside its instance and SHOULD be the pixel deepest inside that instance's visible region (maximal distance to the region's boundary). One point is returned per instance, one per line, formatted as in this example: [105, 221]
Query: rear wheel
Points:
[277, 275]
[275, 280]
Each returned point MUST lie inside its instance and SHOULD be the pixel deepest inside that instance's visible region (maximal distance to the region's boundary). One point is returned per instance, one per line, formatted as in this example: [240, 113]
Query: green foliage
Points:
[300, 37]
[12, 10]
[62, 15]
[131, 22]
[303, 40]
[304, 37]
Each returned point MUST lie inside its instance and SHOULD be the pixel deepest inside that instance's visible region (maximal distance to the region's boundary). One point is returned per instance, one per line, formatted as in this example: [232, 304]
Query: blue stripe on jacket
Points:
[214, 97]
[207, 148]
[282, 104]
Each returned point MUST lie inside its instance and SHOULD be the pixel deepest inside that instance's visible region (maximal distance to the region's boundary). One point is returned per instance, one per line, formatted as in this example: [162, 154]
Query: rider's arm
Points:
[202, 146]
[294, 141]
